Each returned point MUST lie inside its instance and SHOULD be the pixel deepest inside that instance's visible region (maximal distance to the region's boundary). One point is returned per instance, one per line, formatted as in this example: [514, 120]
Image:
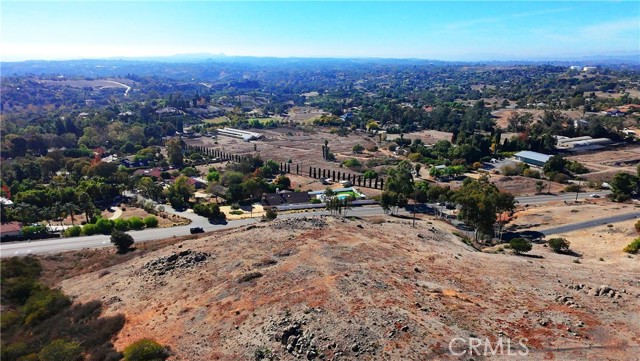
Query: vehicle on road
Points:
[595, 196]
[195, 230]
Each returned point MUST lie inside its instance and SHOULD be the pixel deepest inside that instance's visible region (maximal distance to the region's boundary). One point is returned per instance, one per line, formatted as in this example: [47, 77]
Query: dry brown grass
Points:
[366, 280]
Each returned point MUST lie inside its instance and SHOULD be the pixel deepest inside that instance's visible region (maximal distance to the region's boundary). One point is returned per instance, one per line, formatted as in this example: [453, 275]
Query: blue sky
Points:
[494, 30]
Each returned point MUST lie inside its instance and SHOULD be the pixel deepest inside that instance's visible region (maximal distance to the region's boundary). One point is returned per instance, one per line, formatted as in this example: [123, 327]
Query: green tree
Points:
[213, 176]
[283, 182]
[480, 204]
[180, 192]
[370, 174]
[174, 151]
[623, 186]
[149, 188]
[122, 241]
[555, 164]
[520, 245]
[357, 149]
[145, 350]
[209, 210]
[417, 167]
[559, 245]
[400, 180]
[61, 350]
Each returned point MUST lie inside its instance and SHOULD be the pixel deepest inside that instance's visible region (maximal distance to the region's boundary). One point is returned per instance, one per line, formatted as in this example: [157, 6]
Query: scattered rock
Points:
[294, 224]
[182, 260]
[249, 276]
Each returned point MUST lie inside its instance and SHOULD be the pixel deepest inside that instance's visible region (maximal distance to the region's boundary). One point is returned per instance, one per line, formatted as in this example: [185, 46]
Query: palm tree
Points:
[71, 209]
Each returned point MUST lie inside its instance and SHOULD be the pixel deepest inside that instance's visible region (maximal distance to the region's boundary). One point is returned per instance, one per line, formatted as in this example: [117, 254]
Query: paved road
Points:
[589, 224]
[68, 244]
[546, 198]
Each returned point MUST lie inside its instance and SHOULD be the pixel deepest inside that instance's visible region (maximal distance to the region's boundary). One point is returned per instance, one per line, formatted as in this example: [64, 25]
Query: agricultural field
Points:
[302, 146]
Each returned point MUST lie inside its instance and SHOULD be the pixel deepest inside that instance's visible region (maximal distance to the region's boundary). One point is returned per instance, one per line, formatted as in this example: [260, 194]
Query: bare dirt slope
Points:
[364, 289]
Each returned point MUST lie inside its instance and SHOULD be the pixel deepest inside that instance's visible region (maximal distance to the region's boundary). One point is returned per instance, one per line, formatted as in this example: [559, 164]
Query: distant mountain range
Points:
[185, 63]
[619, 58]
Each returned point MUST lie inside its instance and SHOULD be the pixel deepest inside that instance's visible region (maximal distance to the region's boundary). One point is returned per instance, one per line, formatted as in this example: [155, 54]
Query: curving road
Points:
[590, 224]
[56, 245]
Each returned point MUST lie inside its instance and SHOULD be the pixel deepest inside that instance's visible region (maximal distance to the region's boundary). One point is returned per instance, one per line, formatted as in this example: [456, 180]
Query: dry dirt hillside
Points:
[371, 289]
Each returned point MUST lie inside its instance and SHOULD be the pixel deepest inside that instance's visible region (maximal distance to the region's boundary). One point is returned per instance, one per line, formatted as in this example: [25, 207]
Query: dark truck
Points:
[195, 230]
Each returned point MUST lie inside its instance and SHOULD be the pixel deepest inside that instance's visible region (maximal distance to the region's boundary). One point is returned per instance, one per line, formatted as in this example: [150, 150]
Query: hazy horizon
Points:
[452, 31]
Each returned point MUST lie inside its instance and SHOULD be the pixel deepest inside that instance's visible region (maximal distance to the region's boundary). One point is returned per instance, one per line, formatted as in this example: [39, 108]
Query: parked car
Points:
[594, 196]
[195, 230]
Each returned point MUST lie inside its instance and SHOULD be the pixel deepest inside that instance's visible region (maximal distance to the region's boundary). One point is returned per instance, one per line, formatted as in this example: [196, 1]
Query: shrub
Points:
[104, 226]
[150, 221]
[283, 182]
[357, 149]
[352, 163]
[571, 188]
[136, 223]
[61, 350]
[415, 157]
[633, 247]
[30, 231]
[235, 206]
[637, 226]
[122, 241]
[8, 319]
[145, 350]
[531, 173]
[121, 225]
[74, 231]
[559, 177]
[270, 214]
[14, 351]
[213, 176]
[576, 167]
[511, 170]
[315, 201]
[520, 245]
[44, 304]
[559, 244]
[209, 210]
[90, 230]
[370, 174]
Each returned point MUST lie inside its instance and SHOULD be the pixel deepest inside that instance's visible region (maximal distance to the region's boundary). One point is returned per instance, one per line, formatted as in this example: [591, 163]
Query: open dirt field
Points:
[303, 147]
[606, 163]
[502, 115]
[304, 115]
[606, 241]
[427, 136]
[355, 289]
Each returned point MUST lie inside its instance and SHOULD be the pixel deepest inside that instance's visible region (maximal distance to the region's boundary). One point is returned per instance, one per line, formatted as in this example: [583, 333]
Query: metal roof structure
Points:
[535, 156]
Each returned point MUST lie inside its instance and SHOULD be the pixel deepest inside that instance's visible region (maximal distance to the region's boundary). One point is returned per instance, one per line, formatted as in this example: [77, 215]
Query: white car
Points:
[595, 196]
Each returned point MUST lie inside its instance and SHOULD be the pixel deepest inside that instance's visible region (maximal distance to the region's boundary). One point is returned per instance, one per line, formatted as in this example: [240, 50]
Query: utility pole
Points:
[578, 190]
